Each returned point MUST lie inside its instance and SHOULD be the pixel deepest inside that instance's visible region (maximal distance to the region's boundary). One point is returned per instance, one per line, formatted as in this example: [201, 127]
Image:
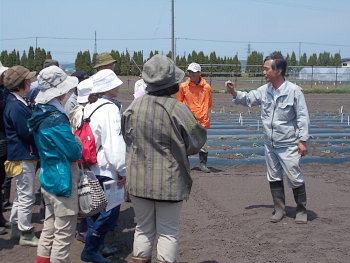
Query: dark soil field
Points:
[227, 216]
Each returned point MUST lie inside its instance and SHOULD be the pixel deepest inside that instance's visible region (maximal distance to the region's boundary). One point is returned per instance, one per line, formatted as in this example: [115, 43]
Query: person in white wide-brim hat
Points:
[83, 91]
[105, 125]
[59, 150]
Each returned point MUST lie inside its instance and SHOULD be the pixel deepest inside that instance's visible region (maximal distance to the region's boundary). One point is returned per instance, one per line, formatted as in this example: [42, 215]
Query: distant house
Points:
[345, 63]
[69, 69]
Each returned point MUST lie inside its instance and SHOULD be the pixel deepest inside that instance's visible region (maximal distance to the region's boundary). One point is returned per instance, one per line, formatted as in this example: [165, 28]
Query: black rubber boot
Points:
[277, 192]
[3, 221]
[300, 199]
[6, 204]
[203, 162]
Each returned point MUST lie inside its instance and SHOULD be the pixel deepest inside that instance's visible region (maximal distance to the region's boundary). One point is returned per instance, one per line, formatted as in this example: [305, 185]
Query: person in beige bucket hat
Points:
[157, 155]
[54, 82]
[59, 176]
[22, 154]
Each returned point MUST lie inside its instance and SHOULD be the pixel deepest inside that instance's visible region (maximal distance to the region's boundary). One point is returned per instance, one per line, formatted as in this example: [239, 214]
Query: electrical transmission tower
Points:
[248, 51]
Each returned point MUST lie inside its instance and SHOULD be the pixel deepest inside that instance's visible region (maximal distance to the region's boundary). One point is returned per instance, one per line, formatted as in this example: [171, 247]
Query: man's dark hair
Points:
[166, 92]
[278, 62]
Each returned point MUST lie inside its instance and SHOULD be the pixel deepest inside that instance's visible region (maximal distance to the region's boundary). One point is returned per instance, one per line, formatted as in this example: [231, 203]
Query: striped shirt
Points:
[160, 132]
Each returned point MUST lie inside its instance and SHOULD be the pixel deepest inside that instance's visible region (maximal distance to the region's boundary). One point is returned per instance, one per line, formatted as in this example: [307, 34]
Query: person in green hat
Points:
[104, 61]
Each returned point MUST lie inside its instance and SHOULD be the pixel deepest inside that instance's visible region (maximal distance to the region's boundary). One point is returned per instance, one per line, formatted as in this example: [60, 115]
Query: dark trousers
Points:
[2, 169]
[104, 221]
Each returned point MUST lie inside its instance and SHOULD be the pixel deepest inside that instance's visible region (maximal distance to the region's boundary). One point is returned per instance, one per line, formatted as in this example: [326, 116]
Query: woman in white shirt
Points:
[105, 123]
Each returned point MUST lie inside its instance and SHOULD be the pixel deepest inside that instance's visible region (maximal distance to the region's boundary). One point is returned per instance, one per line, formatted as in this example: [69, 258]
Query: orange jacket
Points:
[198, 98]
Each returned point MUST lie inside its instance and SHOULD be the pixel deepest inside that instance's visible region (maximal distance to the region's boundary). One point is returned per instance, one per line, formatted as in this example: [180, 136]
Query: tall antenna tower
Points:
[95, 51]
[248, 51]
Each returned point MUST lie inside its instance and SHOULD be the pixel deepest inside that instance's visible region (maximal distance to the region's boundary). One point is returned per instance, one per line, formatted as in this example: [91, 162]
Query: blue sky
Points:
[224, 26]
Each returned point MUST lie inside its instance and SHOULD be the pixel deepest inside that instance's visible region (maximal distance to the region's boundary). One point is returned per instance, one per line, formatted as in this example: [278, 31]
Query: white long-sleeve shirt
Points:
[106, 126]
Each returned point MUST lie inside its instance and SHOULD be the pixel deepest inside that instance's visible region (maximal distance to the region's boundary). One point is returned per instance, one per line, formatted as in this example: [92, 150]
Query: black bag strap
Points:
[86, 164]
[88, 118]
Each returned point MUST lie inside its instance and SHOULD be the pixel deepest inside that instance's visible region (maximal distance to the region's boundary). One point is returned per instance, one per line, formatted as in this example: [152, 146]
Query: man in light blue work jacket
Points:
[286, 129]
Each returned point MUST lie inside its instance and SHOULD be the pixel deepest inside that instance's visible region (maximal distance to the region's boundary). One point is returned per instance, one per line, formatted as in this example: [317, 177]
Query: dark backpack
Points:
[88, 139]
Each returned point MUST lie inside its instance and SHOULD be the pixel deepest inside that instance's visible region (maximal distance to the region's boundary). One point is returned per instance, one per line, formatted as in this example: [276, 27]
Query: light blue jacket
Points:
[286, 121]
[57, 147]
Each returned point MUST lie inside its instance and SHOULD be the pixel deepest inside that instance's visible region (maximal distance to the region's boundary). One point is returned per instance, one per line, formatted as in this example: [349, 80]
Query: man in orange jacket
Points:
[196, 94]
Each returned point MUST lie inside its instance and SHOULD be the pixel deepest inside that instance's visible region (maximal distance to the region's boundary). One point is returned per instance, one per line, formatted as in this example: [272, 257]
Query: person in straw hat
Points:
[104, 61]
[22, 154]
[157, 159]
[59, 150]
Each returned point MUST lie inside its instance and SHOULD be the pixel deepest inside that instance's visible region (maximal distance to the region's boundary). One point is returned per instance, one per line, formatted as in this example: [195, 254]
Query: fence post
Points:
[127, 65]
[211, 66]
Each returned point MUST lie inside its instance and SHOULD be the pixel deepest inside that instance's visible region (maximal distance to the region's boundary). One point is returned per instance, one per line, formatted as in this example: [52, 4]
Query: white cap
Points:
[105, 80]
[194, 67]
[2, 69]
[84, 89]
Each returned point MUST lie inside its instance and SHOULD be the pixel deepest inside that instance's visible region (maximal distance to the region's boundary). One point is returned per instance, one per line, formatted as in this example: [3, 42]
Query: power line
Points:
[317, 8]
[185, 38]
[88, 39]
[263, 42]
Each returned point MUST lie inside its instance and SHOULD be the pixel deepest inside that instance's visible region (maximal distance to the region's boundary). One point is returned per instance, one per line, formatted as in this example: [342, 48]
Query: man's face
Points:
[269, 74]
[109, 66]
[194, 76]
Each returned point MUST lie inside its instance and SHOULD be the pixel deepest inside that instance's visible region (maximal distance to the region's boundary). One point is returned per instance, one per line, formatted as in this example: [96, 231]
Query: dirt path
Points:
[227, 216]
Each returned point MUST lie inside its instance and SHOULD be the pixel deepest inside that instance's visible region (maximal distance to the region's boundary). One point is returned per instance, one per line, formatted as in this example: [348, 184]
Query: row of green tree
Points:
[33, 61]
[325, 59]
[131, 64]
[134, 62]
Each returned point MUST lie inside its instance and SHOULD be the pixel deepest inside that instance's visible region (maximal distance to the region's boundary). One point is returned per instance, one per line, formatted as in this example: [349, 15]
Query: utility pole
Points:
[35, 54]
[236, 70]
[95, 50]
[127, 65]
[172, 30]
[248, 52]
[299, 50]
[175, 51]
[336, 72]
[312, 69]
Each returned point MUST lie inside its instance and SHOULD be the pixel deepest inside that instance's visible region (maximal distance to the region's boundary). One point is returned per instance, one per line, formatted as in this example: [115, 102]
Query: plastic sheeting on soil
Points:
[242, 135]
